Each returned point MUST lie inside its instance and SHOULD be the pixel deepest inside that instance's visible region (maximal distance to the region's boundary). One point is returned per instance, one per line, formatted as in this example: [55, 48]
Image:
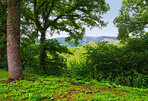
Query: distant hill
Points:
[87, 39]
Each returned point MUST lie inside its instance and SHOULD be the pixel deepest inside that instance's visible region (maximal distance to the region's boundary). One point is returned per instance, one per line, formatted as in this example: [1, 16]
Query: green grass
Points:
[39, 88]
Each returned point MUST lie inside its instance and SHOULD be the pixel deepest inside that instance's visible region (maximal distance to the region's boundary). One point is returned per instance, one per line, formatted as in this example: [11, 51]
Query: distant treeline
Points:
[87, 39]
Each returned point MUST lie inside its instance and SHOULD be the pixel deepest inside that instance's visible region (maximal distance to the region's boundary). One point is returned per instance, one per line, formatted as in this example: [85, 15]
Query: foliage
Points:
[65, 15]
[103, 58]
[37, 88]
[132, 19]
[136, 51]
[126, 65]
[3, 15]
[3, 54]
[29, 55]
[54, 61]
[3, 42]
[70, 16]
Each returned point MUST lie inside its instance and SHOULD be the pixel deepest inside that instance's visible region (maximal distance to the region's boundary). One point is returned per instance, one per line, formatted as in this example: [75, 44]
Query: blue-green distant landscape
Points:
[87, 39]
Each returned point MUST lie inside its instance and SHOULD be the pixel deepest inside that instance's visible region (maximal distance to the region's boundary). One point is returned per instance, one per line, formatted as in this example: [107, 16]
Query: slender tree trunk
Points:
[42, 51]
[13, 40]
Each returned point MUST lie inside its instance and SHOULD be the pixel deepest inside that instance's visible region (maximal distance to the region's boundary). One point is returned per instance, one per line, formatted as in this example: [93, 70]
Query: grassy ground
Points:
[37, 88]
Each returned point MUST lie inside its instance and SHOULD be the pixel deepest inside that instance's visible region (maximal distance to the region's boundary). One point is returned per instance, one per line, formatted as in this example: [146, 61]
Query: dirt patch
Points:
[60, 97]
[75, 84]
[59, 81]
[124, 91]
[68, 95]
[72, 91]
[26, 76]
[33, 80]
[111, 90]
[107, 90]
[86, 86]
[8, 81]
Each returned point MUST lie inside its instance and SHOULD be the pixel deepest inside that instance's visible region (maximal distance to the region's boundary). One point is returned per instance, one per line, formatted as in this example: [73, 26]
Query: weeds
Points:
[39, 88]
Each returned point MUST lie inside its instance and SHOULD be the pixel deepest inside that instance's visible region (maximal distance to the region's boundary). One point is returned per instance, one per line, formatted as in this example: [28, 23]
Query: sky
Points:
[110, 29]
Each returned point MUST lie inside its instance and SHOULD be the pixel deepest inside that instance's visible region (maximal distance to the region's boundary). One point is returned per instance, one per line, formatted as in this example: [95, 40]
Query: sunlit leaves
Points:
[132, 19]
[70, 16]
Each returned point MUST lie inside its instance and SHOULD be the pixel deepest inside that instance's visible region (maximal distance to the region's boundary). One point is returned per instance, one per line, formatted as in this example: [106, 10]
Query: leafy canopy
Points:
[71, 16]
[132, 19]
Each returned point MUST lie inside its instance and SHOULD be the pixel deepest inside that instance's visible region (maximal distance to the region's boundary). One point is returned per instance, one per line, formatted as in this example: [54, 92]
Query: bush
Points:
[29, 51]
[126, 65]
[104, 58]
[54, 62]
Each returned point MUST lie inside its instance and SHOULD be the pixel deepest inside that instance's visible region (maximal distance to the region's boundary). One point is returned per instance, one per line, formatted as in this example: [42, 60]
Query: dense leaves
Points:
[66, 15]
[54, 62]
[29, 54]
[126, 65]
[133, 19]
[3, 33]
[71, 16]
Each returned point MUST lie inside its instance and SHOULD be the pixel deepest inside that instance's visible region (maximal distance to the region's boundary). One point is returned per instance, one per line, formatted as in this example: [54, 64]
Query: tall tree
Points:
[133, 19]
[71, 16]
[13, 39]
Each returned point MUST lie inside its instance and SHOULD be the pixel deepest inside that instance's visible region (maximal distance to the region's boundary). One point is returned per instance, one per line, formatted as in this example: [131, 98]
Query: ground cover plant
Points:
[45, 88]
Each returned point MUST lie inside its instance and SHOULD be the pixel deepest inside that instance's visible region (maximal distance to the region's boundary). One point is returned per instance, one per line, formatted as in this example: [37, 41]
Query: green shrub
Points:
[54, 61]
[126, 65]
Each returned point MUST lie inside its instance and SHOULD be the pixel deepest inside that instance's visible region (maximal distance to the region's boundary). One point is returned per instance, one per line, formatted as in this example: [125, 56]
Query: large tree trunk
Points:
[13, 40]
[42, 51]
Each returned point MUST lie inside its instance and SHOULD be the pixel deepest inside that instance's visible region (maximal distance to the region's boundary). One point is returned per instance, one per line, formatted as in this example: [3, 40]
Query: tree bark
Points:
[42, 51]
[13, 40]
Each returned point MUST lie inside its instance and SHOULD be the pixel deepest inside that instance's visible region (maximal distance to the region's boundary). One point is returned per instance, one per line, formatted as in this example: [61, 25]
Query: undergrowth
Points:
[49, 88]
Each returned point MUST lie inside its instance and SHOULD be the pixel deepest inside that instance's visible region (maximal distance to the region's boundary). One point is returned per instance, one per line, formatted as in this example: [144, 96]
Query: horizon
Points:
[83, 37]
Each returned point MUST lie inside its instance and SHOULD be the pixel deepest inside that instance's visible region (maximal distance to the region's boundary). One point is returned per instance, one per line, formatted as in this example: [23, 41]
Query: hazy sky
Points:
[110, 29]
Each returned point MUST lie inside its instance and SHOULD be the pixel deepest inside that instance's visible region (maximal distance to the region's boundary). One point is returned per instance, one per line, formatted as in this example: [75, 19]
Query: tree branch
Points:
[63, 29]
[49, 11]
[48, 14]
[41, 5]
[29, 16]
[60, 16]
[36, 20]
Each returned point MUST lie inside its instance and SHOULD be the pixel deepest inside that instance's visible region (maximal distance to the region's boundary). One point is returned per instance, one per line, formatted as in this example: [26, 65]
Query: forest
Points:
[35, 68]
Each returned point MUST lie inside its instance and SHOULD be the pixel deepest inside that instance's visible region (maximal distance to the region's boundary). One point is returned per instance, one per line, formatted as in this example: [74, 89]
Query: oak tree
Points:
[71, 16]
